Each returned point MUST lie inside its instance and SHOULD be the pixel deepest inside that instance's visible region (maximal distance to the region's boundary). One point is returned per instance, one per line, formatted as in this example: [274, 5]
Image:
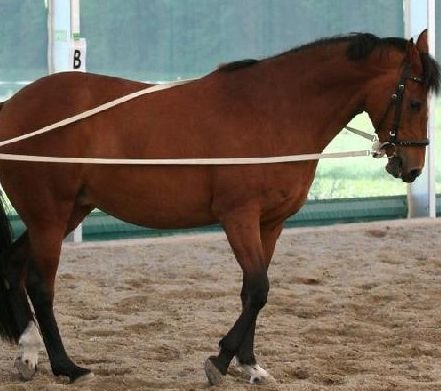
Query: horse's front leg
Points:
[245, 357]
[243, 232]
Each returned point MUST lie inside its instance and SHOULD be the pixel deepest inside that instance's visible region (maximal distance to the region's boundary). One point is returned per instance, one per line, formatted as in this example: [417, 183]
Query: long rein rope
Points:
[184, 161]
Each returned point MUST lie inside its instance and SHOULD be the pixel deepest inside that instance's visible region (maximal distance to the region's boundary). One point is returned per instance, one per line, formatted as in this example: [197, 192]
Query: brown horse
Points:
[293, 103]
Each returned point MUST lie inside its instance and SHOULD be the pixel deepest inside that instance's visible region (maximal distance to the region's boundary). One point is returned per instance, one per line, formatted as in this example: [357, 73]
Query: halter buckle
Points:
[379, 148]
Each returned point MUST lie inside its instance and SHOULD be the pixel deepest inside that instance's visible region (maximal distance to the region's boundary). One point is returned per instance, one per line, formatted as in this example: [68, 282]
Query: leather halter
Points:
[396, 102]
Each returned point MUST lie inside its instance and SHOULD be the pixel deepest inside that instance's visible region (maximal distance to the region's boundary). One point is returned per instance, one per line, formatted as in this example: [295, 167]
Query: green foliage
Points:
[364, 176]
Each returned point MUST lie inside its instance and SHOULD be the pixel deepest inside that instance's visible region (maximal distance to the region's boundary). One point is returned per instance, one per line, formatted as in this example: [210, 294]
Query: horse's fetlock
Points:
[226, 345]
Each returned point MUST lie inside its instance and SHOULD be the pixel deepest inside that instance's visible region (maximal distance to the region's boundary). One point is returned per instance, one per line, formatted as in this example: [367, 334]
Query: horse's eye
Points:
[415, 105]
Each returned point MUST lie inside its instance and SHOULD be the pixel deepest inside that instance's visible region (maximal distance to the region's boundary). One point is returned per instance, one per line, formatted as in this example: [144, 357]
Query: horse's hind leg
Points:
[14, 271]
[46, 246]
[245, 357]
[243, 232]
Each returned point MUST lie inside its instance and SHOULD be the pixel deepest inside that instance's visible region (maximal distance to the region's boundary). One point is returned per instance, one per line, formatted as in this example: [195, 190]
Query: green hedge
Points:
[100, 226]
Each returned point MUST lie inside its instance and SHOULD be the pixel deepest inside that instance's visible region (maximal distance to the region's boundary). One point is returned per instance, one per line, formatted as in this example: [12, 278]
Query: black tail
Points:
[8, 326]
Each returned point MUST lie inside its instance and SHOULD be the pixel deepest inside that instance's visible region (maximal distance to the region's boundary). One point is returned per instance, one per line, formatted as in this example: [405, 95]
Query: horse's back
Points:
[58, 96]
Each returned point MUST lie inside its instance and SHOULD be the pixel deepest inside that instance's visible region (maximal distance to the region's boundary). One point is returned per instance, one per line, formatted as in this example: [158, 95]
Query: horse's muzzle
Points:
[395, 168]
[411, 175]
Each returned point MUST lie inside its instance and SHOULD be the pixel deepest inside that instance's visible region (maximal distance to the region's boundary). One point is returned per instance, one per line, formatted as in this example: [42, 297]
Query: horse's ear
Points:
[412, 54]
[410, 46]
[422, 44]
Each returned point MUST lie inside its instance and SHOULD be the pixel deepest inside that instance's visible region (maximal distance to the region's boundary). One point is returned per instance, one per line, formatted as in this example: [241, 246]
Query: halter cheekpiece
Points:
[396, 102]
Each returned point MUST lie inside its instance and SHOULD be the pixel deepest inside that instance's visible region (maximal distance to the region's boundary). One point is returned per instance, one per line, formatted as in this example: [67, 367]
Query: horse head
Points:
[397, 104]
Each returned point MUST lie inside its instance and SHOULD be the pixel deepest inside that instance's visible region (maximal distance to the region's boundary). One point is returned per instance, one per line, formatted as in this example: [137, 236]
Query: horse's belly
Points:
[155, 197]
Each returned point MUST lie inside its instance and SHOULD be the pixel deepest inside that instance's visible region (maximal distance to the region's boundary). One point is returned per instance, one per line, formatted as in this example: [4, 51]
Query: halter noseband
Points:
[397, 102]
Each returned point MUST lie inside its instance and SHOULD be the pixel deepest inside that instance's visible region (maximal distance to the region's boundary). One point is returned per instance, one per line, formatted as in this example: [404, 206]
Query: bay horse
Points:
[291, 103]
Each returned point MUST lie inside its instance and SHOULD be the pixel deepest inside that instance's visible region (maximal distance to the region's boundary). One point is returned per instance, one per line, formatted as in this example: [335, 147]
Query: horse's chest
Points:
[287, 193]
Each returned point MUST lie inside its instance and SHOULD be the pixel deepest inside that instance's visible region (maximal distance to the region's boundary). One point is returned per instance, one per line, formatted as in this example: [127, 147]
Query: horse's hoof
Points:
[268, 379]
[81, 375]
[26, 369]
[84, 378]
[257, 374]
[213, 374]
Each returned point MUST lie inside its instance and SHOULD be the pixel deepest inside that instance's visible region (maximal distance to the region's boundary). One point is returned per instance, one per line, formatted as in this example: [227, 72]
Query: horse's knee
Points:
[258, 299]
[257, 289]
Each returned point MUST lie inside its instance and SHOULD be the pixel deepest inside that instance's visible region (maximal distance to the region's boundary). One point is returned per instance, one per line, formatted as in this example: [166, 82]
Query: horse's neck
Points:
[319, 99]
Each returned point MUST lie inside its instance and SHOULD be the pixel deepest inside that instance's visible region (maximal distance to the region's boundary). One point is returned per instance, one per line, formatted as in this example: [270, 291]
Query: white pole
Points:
[75, 18]
[407, 18]
[431, 121]
[421, 197]
[77, 235]
[59, 35]
[63, 27]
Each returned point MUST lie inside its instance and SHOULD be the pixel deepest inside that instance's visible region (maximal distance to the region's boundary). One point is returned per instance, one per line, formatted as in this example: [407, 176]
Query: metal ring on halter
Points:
[379, 149]
[394, 153]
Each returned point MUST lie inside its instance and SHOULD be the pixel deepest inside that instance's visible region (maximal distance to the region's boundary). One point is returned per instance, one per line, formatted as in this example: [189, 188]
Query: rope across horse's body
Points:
[184, 161]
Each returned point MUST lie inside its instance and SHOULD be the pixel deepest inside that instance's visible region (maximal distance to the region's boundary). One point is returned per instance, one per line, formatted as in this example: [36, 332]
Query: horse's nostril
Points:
[416, 172]
[412, 175]
[394, 166]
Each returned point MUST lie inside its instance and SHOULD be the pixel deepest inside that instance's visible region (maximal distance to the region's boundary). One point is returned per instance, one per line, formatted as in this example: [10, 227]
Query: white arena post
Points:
[66, 50]
[421, 195]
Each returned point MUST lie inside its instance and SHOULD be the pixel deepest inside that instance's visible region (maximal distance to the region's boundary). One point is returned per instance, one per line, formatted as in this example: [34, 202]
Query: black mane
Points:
[363, 44]
[360, 45]
[432, 74]
[232, 66]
